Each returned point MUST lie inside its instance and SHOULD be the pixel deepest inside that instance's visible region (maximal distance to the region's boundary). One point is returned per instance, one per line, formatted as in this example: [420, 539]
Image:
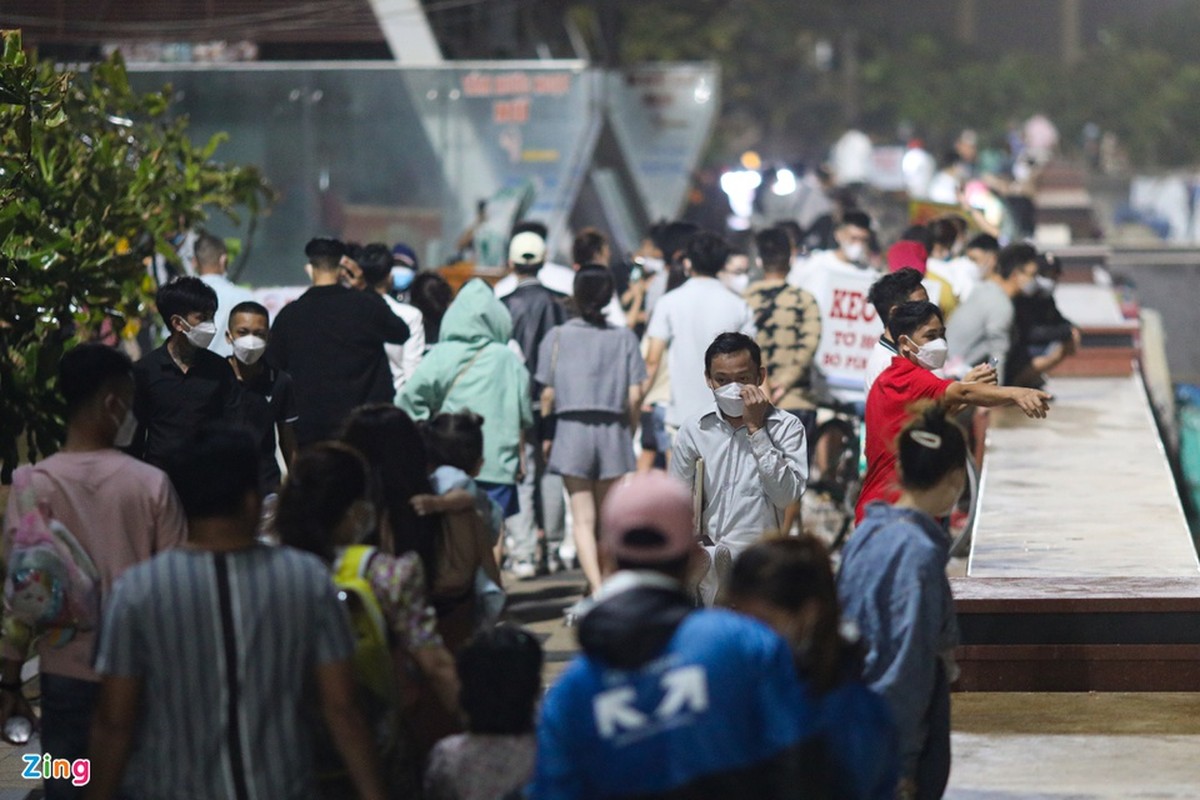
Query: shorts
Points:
[654, 429]
[592, 445]
[504, 494]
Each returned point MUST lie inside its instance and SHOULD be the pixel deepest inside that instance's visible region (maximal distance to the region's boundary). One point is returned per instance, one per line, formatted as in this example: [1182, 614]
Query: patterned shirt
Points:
[475, 766]
[399, 586]
[225, 644]
[789, 330]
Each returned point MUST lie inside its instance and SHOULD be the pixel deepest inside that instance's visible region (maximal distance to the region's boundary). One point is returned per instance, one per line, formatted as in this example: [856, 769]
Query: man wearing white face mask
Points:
[120, 511]
[919, 332]
[982, 326]
[268, 399]
[853, 236]
[755, 456]
[181, 385]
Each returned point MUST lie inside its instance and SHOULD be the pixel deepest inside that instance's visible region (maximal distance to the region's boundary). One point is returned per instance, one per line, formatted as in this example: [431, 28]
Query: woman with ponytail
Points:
[592, 374]
[326, 508]
[788, 584]
[893, 584]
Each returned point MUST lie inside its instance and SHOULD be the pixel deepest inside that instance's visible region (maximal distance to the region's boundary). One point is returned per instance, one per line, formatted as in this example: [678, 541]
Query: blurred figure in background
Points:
[376, 263]
[535, 311]
[212, 260]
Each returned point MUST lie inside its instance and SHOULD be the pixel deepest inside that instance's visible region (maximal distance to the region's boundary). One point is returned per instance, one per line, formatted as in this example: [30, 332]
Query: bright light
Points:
[785, 182]
[703, 92]
[751, 160]
[739, 186]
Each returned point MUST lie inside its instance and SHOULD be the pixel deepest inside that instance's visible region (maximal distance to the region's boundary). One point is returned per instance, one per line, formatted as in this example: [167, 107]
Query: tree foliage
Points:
[1141, 83]
[94, 180]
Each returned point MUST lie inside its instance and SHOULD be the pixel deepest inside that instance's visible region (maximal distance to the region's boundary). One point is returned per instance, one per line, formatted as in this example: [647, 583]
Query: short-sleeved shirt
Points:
[171, 404]
[225, 644]
[590, 368]
[900, 385]
[120, 510]
[688, 319]
[268, 399]
[399, 585]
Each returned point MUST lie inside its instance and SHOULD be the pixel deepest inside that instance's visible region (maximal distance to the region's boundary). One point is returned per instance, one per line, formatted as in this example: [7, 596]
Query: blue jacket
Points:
[860, 739]
[893, 584]
[667, 701]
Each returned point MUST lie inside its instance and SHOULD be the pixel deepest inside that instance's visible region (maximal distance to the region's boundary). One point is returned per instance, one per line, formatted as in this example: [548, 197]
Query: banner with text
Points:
[849, 328]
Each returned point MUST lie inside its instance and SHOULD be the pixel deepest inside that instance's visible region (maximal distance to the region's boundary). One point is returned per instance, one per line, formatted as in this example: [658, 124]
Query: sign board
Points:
[850, 327]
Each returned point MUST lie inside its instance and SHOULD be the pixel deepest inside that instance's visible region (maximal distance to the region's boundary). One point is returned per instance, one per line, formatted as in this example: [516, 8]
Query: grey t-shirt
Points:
[981, 328]
[590, 368]
[225, 645]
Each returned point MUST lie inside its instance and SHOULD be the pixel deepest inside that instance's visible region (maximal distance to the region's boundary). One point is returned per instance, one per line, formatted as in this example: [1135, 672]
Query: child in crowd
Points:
[501, 674]
[325, 508]
[788, 584]
[454, 445]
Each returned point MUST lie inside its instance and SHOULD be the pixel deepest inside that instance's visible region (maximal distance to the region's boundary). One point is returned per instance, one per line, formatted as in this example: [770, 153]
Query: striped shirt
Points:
[225, 645]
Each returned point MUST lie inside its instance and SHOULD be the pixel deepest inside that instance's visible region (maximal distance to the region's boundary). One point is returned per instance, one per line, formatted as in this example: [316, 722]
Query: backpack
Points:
[52, 585]
[373, 666]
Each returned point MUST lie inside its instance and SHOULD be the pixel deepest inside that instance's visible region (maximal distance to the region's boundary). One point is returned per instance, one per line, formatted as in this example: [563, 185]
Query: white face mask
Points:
[200, 335]
[249, 349]
[651, 265]
[1045, 285]
[735, 282]
[729, 399]
[932, 355]
[126, 428]
[1030, 288]
[854, 251]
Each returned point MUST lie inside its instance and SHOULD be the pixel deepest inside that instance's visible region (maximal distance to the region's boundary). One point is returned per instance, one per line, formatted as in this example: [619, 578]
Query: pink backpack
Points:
[52, 585]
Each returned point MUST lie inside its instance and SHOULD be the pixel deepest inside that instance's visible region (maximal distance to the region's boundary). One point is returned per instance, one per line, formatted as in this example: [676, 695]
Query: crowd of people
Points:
[299, 530]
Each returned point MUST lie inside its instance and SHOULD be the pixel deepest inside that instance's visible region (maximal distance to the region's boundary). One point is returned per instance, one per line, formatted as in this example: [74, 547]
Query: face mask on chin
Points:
[729, 400]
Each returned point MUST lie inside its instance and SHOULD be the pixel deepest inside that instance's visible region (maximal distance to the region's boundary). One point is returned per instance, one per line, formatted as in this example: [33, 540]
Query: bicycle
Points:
[829, 502]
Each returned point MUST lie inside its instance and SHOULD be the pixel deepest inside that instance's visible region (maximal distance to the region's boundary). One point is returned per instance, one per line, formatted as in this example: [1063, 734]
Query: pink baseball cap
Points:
[652, 501]
[907, 254]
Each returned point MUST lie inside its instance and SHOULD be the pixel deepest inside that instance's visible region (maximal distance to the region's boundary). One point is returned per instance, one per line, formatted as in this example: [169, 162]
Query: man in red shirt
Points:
[919, 332]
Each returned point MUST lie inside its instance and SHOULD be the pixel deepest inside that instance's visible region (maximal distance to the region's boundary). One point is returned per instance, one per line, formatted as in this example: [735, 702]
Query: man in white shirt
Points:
[690, 317]
[211, 259]
[376, 263]
[755, 456]
[853, 236]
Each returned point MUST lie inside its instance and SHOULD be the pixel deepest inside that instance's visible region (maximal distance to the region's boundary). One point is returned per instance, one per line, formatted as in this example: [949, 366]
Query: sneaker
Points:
[523, 570]
[566, 555]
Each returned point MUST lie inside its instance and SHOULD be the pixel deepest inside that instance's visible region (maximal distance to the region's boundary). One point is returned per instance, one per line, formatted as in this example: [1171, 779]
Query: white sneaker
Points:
[567, 554]
[523, 570]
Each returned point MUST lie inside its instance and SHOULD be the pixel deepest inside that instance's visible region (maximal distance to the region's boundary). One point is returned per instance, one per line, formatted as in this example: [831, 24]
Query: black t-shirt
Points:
[330, 340]
[265, 401]
[170, 404]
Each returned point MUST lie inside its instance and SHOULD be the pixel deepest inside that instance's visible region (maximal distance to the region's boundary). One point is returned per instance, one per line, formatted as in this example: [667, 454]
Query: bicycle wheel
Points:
[827, 510]
[962, 518]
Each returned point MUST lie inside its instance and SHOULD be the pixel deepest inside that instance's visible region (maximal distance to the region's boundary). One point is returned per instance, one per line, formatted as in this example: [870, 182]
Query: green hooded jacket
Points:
[472, 368]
